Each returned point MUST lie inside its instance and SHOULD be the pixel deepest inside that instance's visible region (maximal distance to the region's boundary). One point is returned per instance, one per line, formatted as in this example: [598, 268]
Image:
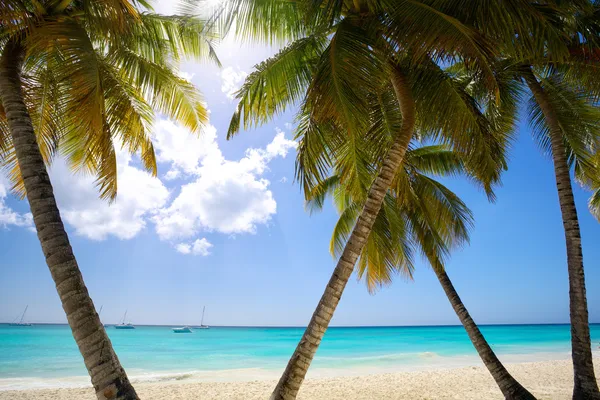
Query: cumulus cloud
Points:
[232, 79]
[198, 247]
[215, 194]
[184, 151]
[139, 196]
[9, 217]
[226, 196]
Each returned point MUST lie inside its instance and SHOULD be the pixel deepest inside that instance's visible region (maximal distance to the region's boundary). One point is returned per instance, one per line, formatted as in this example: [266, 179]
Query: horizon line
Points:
[333, 326]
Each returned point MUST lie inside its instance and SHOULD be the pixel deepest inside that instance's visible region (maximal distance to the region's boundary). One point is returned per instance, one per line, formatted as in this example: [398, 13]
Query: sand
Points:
[546, 379]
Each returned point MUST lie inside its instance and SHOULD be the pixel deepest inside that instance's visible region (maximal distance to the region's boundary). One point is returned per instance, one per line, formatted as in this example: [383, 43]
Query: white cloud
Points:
[283, 179]
[183, 248]
[198, 247]
[183, 150]
[231, 80]
[218, 195]
[226, 196]
[9, 217]
[186, 75]
[139, 195]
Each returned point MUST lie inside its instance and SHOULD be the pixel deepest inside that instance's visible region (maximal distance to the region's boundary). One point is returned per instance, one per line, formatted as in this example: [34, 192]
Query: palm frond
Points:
[444, 38]
[438, 160]
[594, 204]
[578, 117]
[277, 83]
[264, 20]
[347, 70]
[454, 110]
[128, 116]
[174, 36]
[162, 88]
[315, 200]
[315, 141]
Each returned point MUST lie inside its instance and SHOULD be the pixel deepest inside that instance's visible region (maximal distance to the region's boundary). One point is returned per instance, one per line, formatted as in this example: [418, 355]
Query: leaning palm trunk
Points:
[511, 389]
[108, 377]
[586, 386]
[294, 374]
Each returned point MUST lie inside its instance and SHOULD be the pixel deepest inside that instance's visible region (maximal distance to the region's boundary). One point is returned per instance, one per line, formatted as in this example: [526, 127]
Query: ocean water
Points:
[47, 356]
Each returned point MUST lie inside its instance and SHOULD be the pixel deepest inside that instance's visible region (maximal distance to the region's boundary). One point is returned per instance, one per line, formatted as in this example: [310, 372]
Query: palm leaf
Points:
[276, 83]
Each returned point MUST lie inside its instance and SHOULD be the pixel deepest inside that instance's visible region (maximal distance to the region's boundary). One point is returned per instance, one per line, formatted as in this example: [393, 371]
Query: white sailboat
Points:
[99, 314]
[183, 329]
[187, 329]
[124, 325]
[22, 320]
[202, 326]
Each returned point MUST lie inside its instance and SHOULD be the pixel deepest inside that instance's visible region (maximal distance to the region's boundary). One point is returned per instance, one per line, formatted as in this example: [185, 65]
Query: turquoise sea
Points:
[46, 355]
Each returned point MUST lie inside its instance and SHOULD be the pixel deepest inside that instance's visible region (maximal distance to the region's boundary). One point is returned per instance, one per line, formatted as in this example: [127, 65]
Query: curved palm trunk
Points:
[586, 386]
[294, 374]
[108, 377]
[511, 389]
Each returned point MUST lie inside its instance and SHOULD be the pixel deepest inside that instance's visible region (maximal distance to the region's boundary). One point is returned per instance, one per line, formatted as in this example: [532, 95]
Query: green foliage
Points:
[94, 75]
[578, 117]
[419, 214]
[464, 61]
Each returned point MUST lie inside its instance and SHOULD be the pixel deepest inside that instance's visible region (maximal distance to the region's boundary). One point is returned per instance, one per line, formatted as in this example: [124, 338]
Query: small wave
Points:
[383, 357]
[179, 376]
[43, 383]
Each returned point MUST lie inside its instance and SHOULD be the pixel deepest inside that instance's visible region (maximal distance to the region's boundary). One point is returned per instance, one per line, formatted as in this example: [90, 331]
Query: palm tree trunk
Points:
[586, 386]
[511, 389]
[290, 381]
[108, 377]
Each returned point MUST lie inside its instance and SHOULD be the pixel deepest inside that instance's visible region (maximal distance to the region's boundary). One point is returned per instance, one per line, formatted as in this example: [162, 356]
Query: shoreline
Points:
[551, 379]
[368, 365]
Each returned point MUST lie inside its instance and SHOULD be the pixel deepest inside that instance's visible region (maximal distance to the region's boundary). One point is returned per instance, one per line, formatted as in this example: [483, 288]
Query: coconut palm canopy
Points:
[95, 74]
[78, 78]
[346, 52]
[419, 215]
[351, 58]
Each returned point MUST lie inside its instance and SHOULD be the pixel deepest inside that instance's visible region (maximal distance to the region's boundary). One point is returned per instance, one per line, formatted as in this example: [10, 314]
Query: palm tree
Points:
[565, 121]
[566, 142]
[343, 50]
[340, 56]
[419, 214]
[76, 76]
[563, 110]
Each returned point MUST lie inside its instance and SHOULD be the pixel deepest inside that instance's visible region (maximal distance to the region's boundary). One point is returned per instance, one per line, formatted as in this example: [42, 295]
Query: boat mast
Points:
[124, 316]
[202, 320]
[23, 316]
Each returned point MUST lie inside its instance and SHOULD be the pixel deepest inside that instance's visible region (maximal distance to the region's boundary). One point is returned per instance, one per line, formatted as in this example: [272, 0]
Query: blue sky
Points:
[224, 226]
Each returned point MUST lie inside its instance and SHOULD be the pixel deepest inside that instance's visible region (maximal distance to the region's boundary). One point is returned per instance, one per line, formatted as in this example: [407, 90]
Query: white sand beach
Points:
[546, 379]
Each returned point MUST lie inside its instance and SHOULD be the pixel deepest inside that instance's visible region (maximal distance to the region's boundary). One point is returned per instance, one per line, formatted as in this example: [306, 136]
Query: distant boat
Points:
[21, 322]
[100, 313]
[202, 326]
[124, 325]
[184, 329]
[187, 329]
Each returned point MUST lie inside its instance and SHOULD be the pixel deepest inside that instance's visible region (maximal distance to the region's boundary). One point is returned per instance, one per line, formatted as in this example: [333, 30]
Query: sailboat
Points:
[99, 314]
[184, 329]
[124, 325]
[202, 326]
[21, 323]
